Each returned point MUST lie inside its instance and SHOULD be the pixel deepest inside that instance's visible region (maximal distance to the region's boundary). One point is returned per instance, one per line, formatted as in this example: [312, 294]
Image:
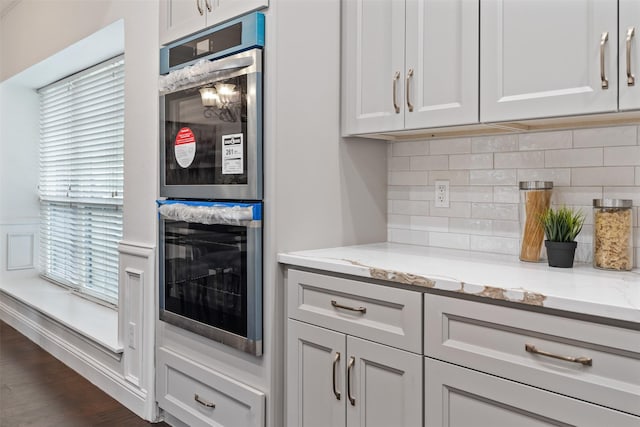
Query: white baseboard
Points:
[40, 331]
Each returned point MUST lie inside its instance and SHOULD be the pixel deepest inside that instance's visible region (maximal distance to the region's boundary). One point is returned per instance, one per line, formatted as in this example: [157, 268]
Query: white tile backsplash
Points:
[494, 177]
[520, 160]
[483, 174]
[451, 146]
[573, 158]
[621, 156]
[425, 163]
[545, 140]
[605, 137]
[494, 144]
[471, 161]
[603, 176]
[558, 176]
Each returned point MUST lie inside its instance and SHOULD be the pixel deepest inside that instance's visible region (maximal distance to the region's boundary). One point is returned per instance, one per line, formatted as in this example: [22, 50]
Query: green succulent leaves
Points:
[562, 225]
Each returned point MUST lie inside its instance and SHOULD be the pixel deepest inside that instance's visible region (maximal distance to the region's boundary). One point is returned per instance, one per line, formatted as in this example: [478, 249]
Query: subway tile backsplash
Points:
[483, 174]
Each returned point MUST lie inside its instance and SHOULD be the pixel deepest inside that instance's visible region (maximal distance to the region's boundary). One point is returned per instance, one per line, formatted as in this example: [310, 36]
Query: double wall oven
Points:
[210, 211]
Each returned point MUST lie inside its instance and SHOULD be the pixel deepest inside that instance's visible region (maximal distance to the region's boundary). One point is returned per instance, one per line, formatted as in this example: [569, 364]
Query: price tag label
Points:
[233, 154]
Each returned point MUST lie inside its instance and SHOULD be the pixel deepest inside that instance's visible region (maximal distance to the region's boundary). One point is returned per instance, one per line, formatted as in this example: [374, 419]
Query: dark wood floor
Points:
[37, 390]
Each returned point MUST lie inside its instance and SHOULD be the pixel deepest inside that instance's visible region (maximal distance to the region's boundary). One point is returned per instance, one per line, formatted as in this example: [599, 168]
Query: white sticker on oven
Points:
[233, 154]
[185, 147]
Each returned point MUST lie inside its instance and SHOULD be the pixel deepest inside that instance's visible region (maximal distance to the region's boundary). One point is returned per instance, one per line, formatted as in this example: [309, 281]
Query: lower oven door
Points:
[211, 270]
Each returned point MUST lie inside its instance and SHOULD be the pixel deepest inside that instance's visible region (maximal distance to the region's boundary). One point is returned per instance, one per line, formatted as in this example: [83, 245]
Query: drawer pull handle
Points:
[631, 80]
[396, 77]
[203, 402]
[586, 361]
[336, 359]
[335, 304]
[352, 361]
[409, 75]
[603, 78]
[200, 10]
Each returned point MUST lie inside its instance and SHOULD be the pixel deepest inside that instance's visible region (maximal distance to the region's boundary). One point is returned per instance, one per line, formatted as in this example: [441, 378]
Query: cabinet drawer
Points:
[460, 397]
[187, 390]
[386, 315]
[493, 339]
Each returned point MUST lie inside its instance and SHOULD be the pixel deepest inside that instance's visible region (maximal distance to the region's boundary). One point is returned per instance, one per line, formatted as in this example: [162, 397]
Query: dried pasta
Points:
[536, 203]
[612, 239]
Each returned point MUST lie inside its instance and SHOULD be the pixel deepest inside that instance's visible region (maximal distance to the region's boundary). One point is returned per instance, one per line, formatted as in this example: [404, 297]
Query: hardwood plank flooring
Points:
[37, 390]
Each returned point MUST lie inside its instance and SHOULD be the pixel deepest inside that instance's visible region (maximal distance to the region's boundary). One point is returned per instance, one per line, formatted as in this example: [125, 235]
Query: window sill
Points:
[93, 321]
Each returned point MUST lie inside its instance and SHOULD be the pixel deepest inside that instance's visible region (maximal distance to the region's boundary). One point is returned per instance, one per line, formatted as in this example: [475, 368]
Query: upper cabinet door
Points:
[181, 17]
[441, 63]
[373, 57]
[629, 55]
[543, 58]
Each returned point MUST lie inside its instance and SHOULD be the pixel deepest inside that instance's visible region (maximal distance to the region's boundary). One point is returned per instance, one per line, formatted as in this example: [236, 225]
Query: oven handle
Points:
[228, 215]
[201, 72]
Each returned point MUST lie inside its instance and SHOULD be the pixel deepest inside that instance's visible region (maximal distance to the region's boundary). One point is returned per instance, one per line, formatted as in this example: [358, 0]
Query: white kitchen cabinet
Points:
[547, 58]
[179, 18]
[202, 397]
[409, 64]
[460, 397]
[629, 55]
[336, 380]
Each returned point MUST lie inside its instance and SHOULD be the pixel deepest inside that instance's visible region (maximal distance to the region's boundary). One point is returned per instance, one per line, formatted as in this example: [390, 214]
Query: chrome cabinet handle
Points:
[335, 304]
[203, 402]
[603, 77]
[396, 77]
[409, 75]
[208, 4]
[586, 361]
[352, 361]
[199, 8]
[631, 80]
[336, 359]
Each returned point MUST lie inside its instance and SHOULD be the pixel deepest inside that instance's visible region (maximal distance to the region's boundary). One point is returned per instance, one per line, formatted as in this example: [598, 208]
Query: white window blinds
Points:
[81, 179]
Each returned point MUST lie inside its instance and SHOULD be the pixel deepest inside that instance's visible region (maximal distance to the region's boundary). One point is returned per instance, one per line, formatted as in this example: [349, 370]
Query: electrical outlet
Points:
[442, 194]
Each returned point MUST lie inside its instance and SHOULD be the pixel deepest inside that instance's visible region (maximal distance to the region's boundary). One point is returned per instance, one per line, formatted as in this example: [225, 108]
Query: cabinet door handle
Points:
[208, 4]
[409, 76]
[200, 10]
[336, 360]
[396, 77]
[352, 361]
[586, 361]
[203, 402]
[603, 77]
[631, 80]
[335, 304]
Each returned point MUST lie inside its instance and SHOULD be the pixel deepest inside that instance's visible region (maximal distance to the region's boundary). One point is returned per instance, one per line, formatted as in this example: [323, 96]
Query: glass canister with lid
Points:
[535, 199]
[612, 234]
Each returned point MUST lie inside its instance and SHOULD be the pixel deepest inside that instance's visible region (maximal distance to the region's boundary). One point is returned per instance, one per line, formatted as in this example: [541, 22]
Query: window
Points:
[81, 179]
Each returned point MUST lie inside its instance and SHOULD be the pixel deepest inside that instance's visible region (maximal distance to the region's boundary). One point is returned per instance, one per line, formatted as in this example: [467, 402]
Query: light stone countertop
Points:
[581, 289]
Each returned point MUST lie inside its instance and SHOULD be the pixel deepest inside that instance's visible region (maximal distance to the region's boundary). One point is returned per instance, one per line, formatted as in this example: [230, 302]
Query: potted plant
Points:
[561, 226]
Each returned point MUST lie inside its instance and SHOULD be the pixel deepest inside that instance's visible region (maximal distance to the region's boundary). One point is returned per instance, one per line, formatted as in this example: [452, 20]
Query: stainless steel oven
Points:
[211, 270]
[211, 113]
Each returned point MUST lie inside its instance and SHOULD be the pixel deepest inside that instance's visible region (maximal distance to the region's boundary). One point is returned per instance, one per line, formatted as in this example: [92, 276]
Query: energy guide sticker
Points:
[233, 154]
[185, 147]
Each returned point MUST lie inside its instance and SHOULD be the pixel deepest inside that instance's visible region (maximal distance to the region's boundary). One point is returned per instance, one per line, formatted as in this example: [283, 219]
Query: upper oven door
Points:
[211, 129]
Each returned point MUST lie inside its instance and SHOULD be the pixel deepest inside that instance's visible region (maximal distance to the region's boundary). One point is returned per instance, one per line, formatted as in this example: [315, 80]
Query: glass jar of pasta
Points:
[535, 198]
[612, 234]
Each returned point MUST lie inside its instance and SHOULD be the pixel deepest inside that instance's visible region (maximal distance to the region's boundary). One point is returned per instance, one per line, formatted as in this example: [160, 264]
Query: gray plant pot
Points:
[560, 254]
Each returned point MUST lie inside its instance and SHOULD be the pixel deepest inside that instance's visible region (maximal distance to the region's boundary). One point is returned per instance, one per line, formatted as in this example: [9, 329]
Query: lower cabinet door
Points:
[315, 376]
[461, 397]
[383, 385]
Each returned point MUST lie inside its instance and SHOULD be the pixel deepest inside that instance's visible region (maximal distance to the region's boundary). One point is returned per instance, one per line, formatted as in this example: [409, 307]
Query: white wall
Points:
[32, 31]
